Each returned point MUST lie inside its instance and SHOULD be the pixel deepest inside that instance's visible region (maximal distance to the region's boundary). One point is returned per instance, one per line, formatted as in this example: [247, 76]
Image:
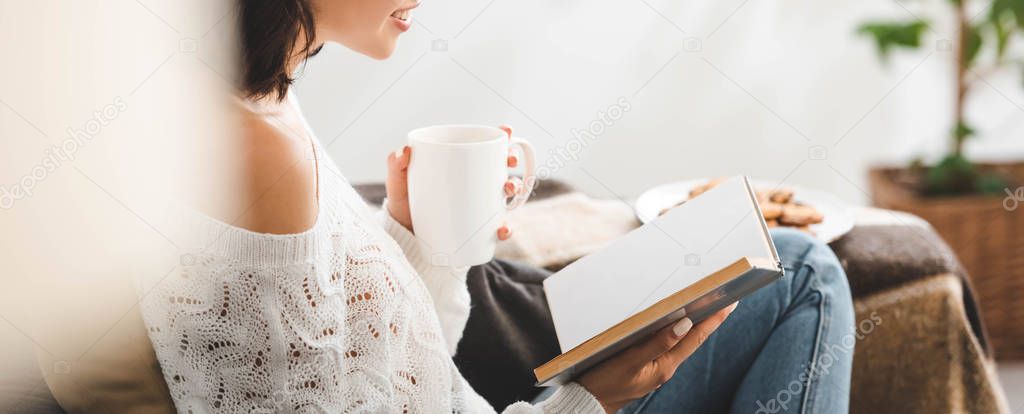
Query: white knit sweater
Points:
[347, 316]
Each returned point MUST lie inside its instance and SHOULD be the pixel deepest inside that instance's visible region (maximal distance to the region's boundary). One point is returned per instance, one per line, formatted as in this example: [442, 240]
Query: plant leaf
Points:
[973, 45]
[889, 35]
[1006, 18]
[1018, 10]
[954, 174]
[962, 131]
[1000, 8]
[1002, 35]
[991, 184]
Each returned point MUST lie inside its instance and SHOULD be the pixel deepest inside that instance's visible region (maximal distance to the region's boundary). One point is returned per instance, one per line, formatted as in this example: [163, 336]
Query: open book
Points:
[692, 261]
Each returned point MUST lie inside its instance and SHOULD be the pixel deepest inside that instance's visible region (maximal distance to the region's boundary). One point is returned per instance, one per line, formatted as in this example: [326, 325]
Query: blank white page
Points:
[656, 260]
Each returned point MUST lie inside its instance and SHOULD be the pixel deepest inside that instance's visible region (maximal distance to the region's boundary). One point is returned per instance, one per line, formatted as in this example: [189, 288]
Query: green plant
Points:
[996, 27]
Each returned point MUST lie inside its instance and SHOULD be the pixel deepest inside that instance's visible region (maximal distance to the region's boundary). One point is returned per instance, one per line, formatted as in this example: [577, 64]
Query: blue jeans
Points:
[787, 348]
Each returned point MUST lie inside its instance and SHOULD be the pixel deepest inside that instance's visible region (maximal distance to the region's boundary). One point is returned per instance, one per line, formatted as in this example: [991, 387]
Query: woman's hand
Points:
[644, 367]
[397, 185]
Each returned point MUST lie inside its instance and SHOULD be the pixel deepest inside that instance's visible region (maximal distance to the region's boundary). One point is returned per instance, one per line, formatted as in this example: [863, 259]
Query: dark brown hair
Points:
[271, 30]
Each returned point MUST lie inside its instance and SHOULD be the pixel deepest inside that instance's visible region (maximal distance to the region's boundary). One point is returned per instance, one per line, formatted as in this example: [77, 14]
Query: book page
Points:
[654, 261]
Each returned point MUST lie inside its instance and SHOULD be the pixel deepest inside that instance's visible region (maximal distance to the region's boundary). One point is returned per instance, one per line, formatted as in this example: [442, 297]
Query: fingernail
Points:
[682, 327]
[732, 307]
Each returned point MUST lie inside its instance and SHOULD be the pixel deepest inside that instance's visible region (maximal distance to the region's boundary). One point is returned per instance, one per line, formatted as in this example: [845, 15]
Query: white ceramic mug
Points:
[456, 190]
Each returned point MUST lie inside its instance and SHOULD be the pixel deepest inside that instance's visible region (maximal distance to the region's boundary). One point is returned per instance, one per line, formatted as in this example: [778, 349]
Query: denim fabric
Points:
[787, 348]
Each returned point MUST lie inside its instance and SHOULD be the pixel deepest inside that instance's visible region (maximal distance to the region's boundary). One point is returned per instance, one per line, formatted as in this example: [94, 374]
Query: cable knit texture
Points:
[344, 317]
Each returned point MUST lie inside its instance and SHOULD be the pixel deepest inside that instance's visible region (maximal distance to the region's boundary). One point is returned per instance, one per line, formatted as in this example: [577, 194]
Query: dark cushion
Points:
[509, 332]
[880, 257]
[877, 258]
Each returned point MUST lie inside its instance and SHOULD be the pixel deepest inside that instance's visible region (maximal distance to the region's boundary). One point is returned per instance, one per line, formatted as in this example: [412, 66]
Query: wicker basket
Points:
[987, 237]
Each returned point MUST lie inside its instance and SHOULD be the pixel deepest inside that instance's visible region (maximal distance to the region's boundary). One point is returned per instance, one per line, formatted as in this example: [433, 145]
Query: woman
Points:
[305, 302]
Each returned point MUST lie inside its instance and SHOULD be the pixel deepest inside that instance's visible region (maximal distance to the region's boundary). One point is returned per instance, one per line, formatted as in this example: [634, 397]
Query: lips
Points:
[404, 13]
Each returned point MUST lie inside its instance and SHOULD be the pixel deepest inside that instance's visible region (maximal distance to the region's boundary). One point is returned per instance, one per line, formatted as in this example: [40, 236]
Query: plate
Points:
[838, 214]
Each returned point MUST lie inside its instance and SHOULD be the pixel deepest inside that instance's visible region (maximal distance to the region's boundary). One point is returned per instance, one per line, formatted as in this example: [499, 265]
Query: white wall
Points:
[714, 88]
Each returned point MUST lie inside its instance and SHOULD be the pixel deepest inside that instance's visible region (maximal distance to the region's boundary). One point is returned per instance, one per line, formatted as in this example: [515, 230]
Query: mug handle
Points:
[529, 172]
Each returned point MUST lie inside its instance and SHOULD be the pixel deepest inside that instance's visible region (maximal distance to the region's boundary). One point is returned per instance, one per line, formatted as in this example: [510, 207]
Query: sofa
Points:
[926, 349]
[921, 345]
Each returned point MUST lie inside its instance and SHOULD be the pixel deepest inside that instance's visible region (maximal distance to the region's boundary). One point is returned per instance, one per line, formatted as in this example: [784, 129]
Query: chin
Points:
[379, 49]
[381, 53]
[368, 27]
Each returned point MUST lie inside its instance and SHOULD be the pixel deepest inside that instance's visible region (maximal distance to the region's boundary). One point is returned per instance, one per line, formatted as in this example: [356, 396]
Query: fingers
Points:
[398, 167]
[396, 185]
[397, 174]
[507, 129]
[512, 159]
[693, 340]
[659, 343]
[504, 232]
[399, 160]
[512, 186]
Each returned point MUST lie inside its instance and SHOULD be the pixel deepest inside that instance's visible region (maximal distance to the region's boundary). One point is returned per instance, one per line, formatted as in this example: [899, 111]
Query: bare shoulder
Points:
[276, 189]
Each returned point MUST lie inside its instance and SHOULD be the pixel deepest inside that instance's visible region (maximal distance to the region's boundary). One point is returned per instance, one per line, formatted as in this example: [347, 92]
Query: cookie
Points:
[781, 196]
[778, 206]
[666, 209]
[700, 189]
[762, 196]
[799, 215]
[696, 191]
[771, 211]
